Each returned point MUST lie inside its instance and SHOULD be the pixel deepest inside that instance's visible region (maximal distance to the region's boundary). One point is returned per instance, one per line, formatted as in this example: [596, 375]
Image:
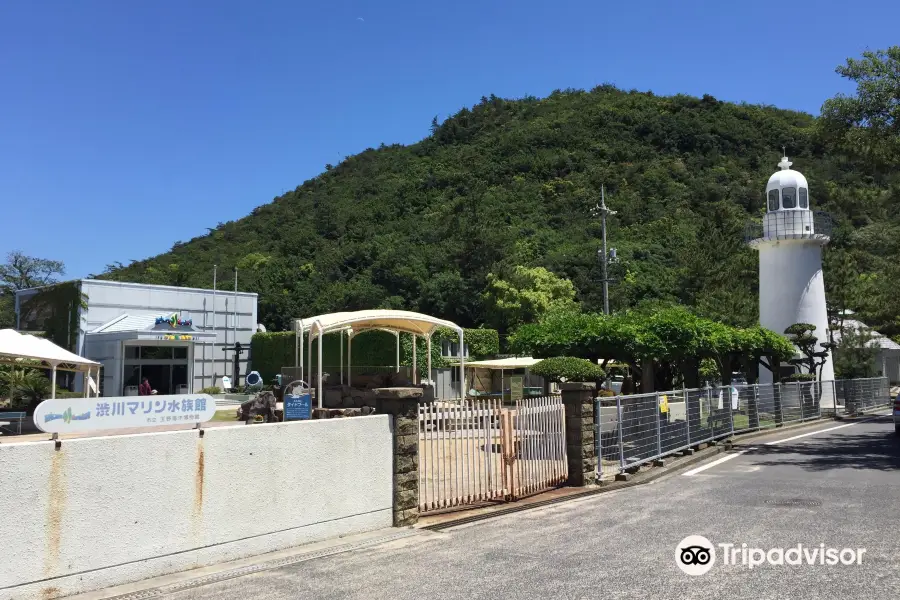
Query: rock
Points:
[332, 398]
[399, 392]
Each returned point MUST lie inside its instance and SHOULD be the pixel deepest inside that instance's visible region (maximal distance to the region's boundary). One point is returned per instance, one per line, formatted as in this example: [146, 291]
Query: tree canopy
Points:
[21, 272]
[674, 339]
[525, 295]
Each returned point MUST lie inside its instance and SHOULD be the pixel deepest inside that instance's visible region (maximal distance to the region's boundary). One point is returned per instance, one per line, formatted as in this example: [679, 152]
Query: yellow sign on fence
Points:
[663, 404]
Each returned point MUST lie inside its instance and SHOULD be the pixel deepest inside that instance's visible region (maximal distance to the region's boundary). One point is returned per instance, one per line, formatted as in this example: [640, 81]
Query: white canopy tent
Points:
[352, 323]
[25, 350]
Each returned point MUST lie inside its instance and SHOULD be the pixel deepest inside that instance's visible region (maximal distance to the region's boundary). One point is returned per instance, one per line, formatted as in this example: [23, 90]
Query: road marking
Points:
[693, 472]
[803, 435]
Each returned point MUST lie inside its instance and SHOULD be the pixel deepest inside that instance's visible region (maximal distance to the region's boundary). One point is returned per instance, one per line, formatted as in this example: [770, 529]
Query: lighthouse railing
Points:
[790, 225]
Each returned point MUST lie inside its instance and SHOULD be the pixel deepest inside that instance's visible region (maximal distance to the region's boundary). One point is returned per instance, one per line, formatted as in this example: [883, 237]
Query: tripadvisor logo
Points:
[696, 555]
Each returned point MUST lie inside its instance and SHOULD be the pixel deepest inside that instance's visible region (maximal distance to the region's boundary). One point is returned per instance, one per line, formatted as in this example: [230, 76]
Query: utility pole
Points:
[602, 210]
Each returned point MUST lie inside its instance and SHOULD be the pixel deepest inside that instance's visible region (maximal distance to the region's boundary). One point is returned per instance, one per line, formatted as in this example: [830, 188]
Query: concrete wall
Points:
[104, 511]
[107, 300]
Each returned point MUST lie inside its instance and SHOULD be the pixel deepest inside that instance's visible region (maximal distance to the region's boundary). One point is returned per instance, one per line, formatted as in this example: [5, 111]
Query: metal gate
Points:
[476, 450]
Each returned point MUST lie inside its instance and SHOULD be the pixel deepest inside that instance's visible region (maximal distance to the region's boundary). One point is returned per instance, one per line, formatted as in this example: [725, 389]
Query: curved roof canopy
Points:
[384, 319]
[520, 362]
[29, 351]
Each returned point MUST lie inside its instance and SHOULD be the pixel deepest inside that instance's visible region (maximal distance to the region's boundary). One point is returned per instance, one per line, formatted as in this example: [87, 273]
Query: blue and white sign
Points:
[72, 415]
[297, 407]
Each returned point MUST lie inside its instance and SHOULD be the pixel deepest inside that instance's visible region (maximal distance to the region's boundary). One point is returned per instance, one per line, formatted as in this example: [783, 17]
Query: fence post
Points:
[403, 405]
[820, 391]
[687, 415]
[779, 408]
[581, 451]
[730, 402]
[620, 419]
[658, 428]
[753, 408]
[834, 403]
[800, 399]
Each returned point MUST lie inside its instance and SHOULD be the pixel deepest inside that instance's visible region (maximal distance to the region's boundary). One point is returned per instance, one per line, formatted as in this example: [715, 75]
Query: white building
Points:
[175, 337]
[791, 287]
[886, 362]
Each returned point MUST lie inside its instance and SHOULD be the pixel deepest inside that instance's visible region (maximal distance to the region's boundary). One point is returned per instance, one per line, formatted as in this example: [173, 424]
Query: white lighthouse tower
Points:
[791, 287]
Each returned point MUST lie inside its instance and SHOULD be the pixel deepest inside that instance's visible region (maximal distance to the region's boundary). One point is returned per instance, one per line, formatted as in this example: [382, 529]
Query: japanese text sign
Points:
[67, 415]
[297, 407]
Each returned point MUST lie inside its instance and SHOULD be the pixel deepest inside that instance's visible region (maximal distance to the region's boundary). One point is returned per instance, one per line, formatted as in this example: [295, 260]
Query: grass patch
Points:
[225, 415]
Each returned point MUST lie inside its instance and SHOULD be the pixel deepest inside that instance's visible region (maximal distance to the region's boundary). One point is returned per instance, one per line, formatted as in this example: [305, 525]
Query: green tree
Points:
[854, 354]
[524, 295]
[24, 387]
[868, 124]
[21, 272]
[811, 359]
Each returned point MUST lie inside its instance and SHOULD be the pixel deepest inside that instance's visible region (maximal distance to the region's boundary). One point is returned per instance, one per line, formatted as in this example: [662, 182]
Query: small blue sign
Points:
[297, 408]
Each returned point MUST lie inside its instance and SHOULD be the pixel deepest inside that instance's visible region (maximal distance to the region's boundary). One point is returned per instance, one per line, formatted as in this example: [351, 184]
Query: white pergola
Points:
[353, 323]
[23, 350]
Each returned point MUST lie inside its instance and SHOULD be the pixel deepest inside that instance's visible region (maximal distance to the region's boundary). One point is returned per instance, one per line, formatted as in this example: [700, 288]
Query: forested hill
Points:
[512, 182]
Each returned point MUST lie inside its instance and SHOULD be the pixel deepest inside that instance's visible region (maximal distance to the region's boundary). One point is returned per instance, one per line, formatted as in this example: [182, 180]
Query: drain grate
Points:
[161, 591]
[794, 502]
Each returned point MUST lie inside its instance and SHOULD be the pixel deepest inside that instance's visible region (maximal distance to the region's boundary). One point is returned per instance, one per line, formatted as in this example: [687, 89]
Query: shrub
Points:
[211, 390]
[568, 368]
[800, 377]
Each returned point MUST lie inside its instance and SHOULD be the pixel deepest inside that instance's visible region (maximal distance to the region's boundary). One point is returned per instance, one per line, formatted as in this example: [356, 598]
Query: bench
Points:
[8, 420]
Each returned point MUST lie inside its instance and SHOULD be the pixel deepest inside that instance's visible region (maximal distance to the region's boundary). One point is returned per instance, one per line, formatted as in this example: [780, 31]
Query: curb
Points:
[724, 445]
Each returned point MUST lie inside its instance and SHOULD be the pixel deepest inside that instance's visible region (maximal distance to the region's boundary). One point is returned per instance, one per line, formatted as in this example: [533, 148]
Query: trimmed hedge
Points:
[270, 351]
[568, 368]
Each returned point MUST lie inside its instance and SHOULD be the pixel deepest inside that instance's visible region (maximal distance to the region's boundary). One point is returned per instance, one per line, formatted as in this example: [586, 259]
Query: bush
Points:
[568, 368]
[211, 390]
[605, 393]
[800, 377]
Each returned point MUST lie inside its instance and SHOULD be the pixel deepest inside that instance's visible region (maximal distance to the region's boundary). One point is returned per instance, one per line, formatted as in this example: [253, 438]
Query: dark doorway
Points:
[159, 376]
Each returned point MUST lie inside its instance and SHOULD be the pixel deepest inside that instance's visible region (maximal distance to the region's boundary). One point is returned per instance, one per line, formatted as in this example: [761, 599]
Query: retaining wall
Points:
[98, 512]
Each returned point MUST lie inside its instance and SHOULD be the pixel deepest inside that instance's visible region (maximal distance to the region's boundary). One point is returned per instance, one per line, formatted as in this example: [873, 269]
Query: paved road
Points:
[622, 544]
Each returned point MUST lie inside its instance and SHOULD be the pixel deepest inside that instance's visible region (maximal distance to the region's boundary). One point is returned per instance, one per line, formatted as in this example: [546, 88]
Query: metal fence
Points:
[535, 448]
[460, 461]
[633, 430]
[478, 450]
[861, 395]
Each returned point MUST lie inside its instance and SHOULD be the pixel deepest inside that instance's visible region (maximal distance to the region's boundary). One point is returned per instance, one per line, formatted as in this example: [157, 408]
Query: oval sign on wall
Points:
[71, 415]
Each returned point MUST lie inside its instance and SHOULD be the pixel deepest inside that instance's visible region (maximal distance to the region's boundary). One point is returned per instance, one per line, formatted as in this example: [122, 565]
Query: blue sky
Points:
[125, 126]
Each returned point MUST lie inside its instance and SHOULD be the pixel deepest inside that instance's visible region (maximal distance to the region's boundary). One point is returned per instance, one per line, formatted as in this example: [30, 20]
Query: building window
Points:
[132, 352]
[181, 352]
[804, 199]
[789, 197]
[773, 199]
[156, 352]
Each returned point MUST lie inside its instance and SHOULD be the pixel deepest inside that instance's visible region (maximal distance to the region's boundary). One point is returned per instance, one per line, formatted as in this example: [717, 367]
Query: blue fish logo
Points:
[67, 416]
